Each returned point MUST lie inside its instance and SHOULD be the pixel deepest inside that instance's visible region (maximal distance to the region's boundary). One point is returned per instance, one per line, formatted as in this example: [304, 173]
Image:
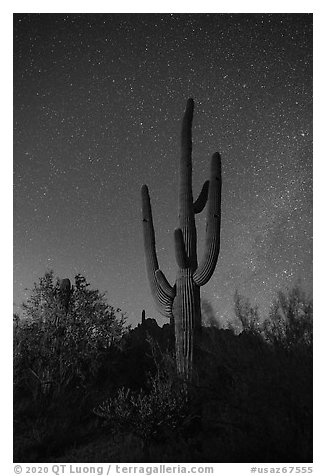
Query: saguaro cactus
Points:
[65, 292]
[143, 316]
[181, 302]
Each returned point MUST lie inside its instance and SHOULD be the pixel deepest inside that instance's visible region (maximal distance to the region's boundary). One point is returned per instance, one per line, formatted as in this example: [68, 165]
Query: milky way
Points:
[98, 100]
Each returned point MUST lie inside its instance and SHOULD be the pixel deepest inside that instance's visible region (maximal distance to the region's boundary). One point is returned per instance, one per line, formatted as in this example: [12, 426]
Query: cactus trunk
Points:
[181, 303]
[187, 318]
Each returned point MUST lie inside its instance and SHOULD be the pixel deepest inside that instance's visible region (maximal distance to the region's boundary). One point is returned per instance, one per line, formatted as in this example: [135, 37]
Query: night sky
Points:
[98, 102]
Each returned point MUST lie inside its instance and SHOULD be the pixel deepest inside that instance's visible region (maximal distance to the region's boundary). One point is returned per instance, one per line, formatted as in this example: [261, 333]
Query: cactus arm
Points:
[162, 299]
[201, 201]
[212, 247]
[163, 302]
[164, 284]
[148, 229]
[180, 250]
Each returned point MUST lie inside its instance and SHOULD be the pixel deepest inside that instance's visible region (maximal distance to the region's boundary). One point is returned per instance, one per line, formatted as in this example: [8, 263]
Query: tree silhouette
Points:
[57, 346]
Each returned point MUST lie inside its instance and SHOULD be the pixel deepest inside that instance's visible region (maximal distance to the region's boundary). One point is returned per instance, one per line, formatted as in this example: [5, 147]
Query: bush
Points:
[151, 415]
[289, 324]
[155, 412]
[55, 349]
[246, 313]
[63, 358]
[88, 389]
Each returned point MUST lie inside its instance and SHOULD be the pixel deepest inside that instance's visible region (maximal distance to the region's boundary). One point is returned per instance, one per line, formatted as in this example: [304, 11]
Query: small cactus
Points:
[181, 302]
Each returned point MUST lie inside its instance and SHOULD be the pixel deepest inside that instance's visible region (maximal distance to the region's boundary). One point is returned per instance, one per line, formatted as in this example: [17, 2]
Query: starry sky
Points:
[98, 102]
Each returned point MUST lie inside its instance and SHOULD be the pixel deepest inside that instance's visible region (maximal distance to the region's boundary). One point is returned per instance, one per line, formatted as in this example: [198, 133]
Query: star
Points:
[98, 102]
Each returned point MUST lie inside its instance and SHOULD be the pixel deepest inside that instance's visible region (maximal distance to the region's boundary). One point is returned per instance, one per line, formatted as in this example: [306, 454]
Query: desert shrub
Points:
[289, 324]
[157, 411]
[55, 349]
[64, 356]
[208, 316]
[247, 314]
[290, 321]
[153, 414]
[252, 400]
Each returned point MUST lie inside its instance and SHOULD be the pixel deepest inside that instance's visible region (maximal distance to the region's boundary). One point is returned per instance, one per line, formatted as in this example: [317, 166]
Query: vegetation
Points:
[87, 388]
[61, 361]
[181, 302]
